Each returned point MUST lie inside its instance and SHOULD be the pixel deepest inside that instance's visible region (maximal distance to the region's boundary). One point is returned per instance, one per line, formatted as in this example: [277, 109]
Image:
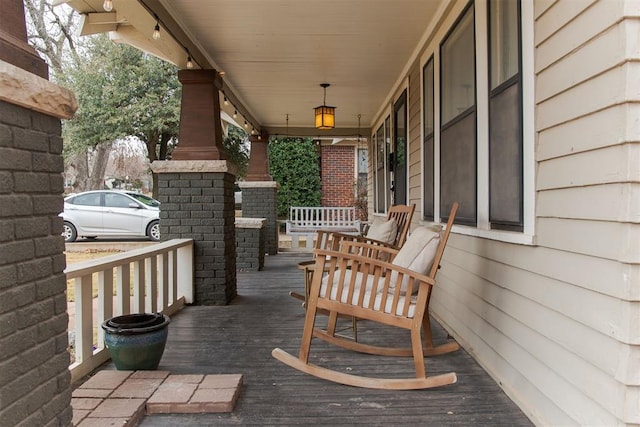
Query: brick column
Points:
[260, 200]
[260, 192]
[250, 243]
[197, 202]
[35, 383]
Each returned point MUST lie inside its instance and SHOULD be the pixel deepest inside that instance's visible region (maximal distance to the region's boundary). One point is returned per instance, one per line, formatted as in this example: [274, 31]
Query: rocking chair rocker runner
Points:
[368, 287]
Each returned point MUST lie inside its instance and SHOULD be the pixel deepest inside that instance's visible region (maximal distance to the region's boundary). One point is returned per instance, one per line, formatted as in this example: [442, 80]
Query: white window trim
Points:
[483, 227]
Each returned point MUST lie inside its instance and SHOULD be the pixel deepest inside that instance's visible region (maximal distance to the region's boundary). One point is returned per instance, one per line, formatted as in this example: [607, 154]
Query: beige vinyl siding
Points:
[557, 323]
[415, 146]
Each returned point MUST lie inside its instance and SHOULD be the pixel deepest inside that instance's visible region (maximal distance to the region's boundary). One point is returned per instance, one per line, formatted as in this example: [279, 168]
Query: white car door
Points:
[85, 212]
[120, 218]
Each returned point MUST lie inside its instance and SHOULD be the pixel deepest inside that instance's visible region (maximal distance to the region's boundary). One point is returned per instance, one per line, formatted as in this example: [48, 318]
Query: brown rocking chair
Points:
[367, 287]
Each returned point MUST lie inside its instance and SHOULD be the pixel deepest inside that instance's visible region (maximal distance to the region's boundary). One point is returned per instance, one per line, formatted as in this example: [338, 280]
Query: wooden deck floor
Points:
[238, 338]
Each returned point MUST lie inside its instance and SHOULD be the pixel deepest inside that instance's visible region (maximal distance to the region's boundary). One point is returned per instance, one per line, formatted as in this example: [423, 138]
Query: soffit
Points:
[275, 53]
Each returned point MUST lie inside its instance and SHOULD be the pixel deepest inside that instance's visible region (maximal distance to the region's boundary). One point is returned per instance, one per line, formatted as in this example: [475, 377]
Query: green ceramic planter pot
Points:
[136, 341]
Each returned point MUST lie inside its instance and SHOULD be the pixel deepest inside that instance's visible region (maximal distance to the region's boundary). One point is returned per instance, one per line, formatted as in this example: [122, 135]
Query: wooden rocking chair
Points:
[368, 287]
[401, 214]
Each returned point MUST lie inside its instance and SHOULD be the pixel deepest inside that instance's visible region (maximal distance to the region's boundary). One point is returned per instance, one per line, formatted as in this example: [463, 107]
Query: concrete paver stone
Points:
[184, 379]
[149, 374]
[142, 388]
[85, 403]
[222, 381]
[173, 393]
[106, 379]
[118, 408]
[91, 392]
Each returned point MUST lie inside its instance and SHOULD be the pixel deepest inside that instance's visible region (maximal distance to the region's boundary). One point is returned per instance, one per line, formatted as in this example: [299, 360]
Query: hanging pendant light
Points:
[325, 115]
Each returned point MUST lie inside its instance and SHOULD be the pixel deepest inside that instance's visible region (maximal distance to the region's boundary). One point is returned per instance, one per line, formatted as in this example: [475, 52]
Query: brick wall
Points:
[249, 248]
[200, 206]
[259, 200]
[34, 376]
[338, 175]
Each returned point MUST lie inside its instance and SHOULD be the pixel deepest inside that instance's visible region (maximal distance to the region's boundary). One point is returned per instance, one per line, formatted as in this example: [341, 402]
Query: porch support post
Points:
[200, 125]
[258, 169]
[197, 202]
[35, 382]
[260, 192]
[14, 48]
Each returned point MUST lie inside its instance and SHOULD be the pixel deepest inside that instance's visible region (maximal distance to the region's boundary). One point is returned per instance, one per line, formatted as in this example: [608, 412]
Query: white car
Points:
[110, 213]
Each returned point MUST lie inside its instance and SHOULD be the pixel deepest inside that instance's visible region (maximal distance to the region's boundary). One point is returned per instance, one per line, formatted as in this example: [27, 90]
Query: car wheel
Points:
[153, 231]
[69, 232]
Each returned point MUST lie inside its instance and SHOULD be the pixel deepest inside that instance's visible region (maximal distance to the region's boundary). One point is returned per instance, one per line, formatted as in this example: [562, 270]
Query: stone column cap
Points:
[206, 166]
[250, 222]
[258, 184]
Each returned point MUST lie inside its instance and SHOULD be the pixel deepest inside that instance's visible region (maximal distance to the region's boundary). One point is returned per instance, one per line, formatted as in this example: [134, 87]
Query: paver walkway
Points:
[123, 398]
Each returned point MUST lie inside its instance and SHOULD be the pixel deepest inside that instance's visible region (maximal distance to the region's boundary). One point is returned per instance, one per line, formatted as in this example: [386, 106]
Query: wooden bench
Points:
[307, 221]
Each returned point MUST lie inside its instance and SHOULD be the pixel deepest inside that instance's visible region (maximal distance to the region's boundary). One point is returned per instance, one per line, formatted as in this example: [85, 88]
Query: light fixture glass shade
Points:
[325, 117]
[107, 5]
[156, 32]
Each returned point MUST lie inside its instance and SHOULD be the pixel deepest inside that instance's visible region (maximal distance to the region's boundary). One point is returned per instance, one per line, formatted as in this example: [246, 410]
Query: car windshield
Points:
[145, 199]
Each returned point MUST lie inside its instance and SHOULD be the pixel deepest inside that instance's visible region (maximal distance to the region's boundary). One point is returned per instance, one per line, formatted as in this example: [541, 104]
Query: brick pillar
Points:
[260, 200]
[260, 192]
[35, 383]
[250, 243]
[197, 202]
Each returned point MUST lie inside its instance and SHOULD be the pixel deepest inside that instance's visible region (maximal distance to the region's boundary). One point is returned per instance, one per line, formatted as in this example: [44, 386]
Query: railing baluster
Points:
[138, 286]
[164, 280]
[173, 273]
[123, 289]
[151, 265]
[84, 317]
[105, 302]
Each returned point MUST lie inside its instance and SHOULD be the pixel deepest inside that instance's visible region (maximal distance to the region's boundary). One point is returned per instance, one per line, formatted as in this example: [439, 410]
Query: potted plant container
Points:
[136, 341]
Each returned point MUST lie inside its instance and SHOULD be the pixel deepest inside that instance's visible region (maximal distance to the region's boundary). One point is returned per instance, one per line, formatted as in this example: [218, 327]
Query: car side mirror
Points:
[134, 205]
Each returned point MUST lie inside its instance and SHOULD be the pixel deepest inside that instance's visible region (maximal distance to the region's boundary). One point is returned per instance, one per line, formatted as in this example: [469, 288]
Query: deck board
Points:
[238, 338]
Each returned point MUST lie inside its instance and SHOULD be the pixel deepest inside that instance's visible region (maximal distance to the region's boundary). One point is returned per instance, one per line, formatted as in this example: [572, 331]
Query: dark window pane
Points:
[427, 149]
[400, 150]
[458, 169]
[113, 200]
[505, 117]
[381, 158]
[91, 199]
[505, 158]
[503, 40]
[458, 69]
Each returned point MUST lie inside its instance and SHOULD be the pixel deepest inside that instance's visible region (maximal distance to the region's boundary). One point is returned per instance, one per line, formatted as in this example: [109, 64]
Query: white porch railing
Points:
[161, 277]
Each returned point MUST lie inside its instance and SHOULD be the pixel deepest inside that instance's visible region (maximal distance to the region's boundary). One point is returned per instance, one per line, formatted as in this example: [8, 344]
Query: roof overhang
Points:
[275, 53]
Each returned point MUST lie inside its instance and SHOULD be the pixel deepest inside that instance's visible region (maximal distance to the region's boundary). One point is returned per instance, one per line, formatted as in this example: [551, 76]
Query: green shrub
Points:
[294, 164]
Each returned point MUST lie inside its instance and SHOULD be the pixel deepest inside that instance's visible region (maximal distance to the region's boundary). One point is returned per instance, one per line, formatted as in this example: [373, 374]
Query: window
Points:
[89, 199]
[458, 173]
[427, 149]
[505, 116]
[114, 200]
[380, 169]
[400, 150]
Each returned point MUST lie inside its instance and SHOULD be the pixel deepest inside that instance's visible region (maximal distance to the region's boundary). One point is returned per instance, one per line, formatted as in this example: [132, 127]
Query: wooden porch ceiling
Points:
[275, 53]
[238, 338]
